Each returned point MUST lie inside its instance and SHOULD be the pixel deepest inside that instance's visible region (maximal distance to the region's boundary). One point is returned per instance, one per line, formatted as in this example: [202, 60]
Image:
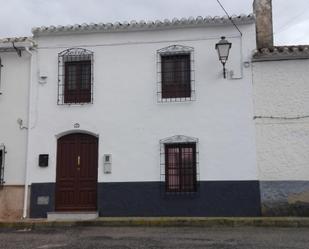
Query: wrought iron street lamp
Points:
[223, 48]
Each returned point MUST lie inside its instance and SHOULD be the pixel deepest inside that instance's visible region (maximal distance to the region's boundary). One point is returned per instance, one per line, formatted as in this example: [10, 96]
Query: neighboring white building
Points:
[14, 99]
[281, 114]
[281, 98]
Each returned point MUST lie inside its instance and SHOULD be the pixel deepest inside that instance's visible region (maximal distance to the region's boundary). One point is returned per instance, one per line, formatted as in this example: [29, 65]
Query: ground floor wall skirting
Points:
[11, 202]
[42, 199]
[285, 198]
[214, 198]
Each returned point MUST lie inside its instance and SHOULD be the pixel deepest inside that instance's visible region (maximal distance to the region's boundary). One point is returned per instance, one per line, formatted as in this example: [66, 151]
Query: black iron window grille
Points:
[75, 76]
[179, 165]
[2, 157]
[175, 74]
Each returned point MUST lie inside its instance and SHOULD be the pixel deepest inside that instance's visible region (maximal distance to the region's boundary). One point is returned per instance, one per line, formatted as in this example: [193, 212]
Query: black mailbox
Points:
[43, 160]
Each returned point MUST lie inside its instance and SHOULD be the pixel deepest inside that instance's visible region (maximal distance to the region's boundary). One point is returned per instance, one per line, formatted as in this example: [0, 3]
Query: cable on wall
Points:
[282, 118]
[229, 17]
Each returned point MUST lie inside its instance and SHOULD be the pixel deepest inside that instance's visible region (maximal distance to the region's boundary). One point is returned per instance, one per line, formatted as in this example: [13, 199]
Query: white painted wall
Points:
[13, 105]
[281, 89]
[126, 115]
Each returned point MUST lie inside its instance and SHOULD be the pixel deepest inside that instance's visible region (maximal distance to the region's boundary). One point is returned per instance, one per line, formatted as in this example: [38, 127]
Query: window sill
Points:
[180, 195]
[176, 100]
[75, 104]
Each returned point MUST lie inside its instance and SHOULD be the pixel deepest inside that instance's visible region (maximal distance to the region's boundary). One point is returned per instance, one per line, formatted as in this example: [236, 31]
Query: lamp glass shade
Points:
[223, 48]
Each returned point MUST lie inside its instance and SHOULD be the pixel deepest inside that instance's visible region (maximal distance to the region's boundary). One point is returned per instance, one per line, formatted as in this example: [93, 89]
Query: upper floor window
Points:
[75, 79]
[175, 74]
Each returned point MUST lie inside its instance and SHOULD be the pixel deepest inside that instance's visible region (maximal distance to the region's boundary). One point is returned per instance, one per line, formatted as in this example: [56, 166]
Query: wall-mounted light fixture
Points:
[223, 48]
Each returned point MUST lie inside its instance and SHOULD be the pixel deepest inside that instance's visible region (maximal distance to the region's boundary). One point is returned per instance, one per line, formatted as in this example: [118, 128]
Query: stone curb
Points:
[162, 222]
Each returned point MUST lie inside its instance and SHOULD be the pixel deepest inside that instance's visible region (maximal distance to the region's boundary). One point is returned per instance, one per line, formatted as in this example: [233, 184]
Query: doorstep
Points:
[72, 216]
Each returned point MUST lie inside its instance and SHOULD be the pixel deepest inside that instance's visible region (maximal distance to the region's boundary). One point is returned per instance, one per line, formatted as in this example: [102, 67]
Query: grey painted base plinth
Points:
[214, 198]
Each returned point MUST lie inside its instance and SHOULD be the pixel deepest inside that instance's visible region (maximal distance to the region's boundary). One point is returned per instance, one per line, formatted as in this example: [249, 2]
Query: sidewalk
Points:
[163, 222]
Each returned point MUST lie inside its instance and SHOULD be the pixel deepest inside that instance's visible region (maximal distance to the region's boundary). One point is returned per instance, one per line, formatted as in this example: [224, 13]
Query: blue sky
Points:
[17, 17]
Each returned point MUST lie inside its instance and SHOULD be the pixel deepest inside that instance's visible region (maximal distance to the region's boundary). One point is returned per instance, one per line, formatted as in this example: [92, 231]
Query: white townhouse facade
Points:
[136, 119]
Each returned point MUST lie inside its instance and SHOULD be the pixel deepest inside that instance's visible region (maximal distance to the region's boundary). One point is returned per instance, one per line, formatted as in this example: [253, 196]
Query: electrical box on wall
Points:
[107, 163]
[43, 160]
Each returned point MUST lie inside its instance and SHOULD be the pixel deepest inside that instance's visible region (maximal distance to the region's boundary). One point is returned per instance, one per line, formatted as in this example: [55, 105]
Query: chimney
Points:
[264, 23]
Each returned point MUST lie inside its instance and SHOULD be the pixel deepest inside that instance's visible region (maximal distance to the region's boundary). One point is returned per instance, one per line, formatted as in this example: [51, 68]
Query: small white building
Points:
[15, 66]
[281, 97]
[281, 114]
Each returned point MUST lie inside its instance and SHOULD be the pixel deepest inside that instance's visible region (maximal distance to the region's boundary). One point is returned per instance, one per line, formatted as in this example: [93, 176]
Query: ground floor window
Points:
[179, 164]
[180, 167]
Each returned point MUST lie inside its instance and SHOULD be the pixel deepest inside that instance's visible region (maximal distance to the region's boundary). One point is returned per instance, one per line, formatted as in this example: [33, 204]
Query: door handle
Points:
[78, 161]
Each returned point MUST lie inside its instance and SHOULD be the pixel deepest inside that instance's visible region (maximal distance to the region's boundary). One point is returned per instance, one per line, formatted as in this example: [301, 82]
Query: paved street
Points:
[156, 238]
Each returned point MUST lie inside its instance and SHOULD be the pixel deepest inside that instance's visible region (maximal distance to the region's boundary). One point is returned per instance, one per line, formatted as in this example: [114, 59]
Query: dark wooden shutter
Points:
[180, 167]
[77, 82]
[176, 76]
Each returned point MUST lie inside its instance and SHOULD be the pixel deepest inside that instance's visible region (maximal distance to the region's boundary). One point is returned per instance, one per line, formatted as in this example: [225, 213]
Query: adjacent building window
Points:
[75, 81]
[175, 74]
[179, 164]
[0, 75]
[2, 155]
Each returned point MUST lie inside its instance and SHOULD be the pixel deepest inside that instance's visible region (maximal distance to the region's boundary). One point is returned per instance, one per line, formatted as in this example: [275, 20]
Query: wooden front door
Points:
[77, 170]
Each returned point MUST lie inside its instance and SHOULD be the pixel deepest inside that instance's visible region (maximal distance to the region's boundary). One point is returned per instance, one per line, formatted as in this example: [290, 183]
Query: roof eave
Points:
[277, 53]
[144, 26]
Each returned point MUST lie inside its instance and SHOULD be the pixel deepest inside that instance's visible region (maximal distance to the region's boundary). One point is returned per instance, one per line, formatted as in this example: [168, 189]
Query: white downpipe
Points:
[241, 61]
[26, 190]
